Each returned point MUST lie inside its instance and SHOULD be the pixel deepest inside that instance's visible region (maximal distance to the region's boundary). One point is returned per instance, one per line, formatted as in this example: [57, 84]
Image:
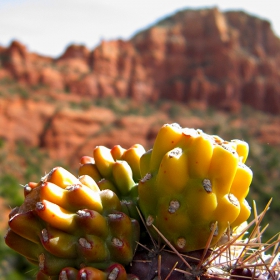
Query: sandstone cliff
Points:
[199, 56]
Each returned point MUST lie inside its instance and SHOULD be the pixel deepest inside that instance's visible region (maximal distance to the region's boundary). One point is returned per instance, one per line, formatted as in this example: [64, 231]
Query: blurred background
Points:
[77, 74]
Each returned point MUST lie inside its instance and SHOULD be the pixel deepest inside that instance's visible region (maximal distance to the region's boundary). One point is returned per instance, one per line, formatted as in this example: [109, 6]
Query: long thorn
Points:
[256, 215]
[267, 268]
[208, 243]
[172, 247]
[224, 247]
[257, 222]
[276, 247]
[171, 271]
[159, 267]
[145, 247]
[260, 251]
[182, 271]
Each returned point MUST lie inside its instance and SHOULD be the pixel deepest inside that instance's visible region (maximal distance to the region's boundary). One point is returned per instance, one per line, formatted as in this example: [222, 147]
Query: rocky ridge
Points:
[194, 56]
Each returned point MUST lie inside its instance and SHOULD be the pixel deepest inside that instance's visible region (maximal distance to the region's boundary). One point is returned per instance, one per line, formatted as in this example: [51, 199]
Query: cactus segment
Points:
[242, 149]
[59, 243]
[117, 152]
[93, 249]
[244, 214]
[60, 177]
[91, 170]
[103, 160]
[86, 159]
[145, 163]
[88, 181]
[52, 265]
[53, 193]
[23, 246]
[191, 180]
[122, 174]
[132, 156]
[120, 224]
[166, 140]
[172, 171]
[128, 207]
[147, 182]
[82, 197]
[105, 184]
[110, 202]
[199, 155]
[222, 168]
[243, 176]
[73, 197]
[92, 222]
[68, 273]
[116, 272]
[91, 273]
[56, 216]
[27, 225]
[124, 231]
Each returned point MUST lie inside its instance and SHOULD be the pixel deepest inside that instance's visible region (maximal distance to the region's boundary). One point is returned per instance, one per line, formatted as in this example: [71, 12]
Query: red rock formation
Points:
[201, 56]
[68, 134]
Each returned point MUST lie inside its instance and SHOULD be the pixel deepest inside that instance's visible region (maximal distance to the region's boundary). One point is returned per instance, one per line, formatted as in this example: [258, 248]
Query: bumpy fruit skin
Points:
[193, 184]
[69, 222]
[114, 272]
[116, 169]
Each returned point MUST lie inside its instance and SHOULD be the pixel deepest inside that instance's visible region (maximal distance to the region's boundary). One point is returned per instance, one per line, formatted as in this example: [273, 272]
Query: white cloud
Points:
[48, 26]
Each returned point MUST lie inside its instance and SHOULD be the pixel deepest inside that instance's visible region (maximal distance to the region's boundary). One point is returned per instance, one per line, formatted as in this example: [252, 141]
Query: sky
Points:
[47, 27]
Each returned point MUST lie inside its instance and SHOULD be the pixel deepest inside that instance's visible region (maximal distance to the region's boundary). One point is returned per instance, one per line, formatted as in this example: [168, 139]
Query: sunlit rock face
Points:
[199, 56]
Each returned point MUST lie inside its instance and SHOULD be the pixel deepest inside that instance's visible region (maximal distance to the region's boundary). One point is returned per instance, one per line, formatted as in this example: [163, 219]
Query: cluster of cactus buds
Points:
[67, 221]
[189, 191]
[118, 170]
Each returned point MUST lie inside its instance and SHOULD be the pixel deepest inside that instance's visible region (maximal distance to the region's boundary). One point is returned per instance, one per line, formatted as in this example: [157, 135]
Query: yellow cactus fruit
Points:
[193, 183]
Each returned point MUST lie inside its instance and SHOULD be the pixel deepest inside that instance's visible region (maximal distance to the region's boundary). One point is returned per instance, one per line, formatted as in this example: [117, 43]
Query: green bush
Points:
[14, 266]
[10, 190]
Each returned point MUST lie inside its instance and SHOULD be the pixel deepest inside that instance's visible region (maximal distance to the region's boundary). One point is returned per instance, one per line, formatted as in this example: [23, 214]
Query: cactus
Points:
[192, 182]
[188, 193]
[68, 222]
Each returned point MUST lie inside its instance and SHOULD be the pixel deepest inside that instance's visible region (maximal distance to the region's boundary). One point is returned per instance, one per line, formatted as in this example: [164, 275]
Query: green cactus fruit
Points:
[118, 170]
[69, 222]
[193, 184]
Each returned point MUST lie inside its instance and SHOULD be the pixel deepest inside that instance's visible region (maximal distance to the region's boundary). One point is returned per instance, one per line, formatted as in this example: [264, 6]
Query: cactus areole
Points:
[188, 187]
